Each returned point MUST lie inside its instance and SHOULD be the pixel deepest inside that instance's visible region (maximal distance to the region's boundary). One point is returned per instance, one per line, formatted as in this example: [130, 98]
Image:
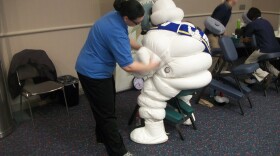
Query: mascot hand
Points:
[146, 56]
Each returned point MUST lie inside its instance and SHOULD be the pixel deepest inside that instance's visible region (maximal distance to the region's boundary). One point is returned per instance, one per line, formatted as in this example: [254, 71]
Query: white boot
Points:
[189, 122]
[152, 133]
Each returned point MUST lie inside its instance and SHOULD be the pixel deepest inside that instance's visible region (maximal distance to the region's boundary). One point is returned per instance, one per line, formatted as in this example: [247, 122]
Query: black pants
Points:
[101, 95]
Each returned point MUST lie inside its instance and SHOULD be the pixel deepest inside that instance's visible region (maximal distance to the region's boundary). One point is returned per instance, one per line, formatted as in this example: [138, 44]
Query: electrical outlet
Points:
[242, 7]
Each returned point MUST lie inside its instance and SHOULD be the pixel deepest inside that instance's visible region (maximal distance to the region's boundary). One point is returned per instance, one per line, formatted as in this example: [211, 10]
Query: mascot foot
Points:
[189, 122]
[152, 133]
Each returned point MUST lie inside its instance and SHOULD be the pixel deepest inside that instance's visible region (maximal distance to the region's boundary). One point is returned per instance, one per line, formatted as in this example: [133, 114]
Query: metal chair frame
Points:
[26, 94]
[177, 126]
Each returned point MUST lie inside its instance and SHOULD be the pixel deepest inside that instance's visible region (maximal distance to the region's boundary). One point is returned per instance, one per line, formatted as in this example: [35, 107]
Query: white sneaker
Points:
[128, 154]
[225, 72]
[250, 81]
[220, 99]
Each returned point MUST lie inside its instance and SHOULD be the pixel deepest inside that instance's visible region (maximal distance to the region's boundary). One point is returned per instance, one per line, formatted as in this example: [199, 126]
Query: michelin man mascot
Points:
[183, 53]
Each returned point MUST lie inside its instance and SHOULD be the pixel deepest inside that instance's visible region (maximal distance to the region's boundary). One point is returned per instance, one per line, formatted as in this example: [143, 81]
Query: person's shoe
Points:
[225, 72]
[250, 81]
[128, 154]
[99, 141]
[221, 101]
[267, 80]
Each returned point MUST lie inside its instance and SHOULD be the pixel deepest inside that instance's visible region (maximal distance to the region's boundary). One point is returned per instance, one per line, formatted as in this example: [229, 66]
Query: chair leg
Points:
[133, 115]
[30, 109]
[66, 104]
[241, 109]
[200, 95]
[238, 83]
[20, 102]
[193, 122]
[179, 132]
[276, 86]
[250, 102]
[265, 93]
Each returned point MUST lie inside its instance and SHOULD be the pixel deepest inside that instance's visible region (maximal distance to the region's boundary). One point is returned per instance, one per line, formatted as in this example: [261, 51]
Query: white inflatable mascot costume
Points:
[183, 53]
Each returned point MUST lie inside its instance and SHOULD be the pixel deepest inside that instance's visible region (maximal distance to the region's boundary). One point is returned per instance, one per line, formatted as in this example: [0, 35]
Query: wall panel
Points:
[59, 27]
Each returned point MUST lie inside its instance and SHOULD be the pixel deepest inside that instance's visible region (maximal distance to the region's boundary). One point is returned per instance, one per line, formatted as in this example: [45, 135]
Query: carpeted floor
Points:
[221, 131]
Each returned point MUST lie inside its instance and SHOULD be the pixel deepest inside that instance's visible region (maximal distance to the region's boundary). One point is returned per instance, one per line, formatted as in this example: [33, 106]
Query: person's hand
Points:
[153, 65]
[246, 40]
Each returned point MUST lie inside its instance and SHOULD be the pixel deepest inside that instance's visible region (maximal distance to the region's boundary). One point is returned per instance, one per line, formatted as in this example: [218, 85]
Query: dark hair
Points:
[130, 8]
[254, 13]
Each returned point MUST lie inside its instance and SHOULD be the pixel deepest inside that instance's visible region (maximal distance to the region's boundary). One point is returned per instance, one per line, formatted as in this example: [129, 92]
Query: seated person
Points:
[221, 13]
[266, 42]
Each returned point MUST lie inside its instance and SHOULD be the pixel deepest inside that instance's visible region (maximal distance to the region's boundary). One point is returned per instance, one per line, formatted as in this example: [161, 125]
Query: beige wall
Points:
[195, 8]
[270, 9]
[59, 27]
[106, 6]
[197, 13]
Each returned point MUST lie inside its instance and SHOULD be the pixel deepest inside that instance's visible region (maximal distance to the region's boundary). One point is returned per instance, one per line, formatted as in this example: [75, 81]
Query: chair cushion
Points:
[186, 109]
[41, 88]
[230, 81]
[245, 69]
[269, 56]
[173, 116]
[226, 89]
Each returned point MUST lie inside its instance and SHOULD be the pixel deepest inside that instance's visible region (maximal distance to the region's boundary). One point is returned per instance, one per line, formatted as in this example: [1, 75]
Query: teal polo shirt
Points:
[107, 44]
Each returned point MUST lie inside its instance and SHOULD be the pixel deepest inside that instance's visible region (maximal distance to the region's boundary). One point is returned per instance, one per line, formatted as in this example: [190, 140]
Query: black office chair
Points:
[29, 72]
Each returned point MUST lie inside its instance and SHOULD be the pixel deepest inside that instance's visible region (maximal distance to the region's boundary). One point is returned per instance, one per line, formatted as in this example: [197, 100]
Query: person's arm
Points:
[120, 47]
[248, 33]
[140, 67]
[249, 30]
[134, 45]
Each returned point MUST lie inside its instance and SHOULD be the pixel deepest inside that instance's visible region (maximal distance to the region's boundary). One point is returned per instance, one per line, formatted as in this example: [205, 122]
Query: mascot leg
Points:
[152, 109]
[187, 99]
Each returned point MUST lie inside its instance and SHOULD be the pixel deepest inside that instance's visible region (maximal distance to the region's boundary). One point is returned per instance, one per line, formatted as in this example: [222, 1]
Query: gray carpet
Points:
[221, 131]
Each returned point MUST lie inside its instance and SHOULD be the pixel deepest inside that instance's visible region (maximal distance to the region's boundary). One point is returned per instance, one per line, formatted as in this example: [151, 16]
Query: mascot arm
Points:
[145, 55]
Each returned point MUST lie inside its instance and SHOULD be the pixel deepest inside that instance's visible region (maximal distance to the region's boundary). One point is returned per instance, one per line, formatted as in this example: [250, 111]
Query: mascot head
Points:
[166, 11]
